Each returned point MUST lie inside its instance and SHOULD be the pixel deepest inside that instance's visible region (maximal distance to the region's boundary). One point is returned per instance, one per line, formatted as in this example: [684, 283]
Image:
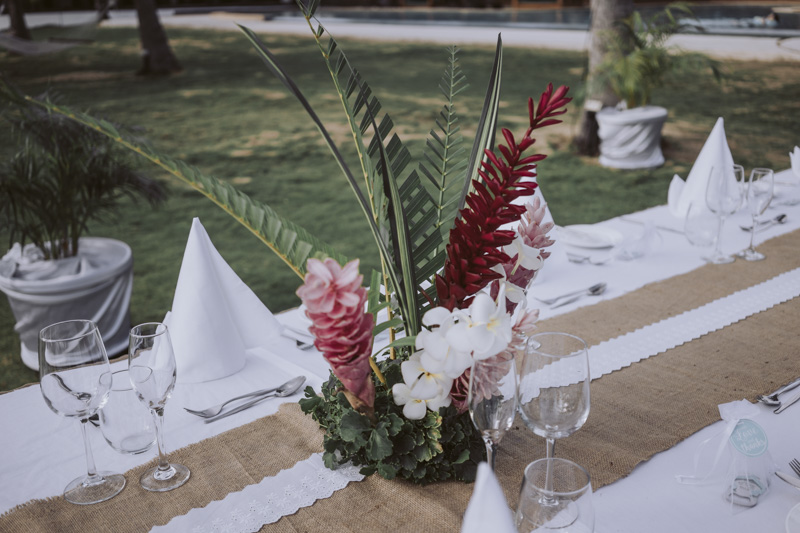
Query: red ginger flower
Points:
[334, 300]
[476, 239]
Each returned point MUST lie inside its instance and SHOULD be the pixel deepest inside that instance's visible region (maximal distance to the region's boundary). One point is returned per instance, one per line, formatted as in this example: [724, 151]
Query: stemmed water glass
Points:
[493, 399]
[152, 370]
[723, 198]
[760, 188]
[554, 386]
[75, 379]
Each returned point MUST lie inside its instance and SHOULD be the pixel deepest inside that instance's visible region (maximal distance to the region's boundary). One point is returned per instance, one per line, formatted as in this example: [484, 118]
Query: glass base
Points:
[156, 480]
[720, 259]
[751, 255]
[86, 491]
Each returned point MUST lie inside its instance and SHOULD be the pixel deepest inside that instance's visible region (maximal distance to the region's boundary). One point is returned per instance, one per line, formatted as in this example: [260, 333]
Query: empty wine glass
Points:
[723, 198]
[493, 399]
[75, 378]
[565, 507]
[554, 386]
[700, 226]
[125, 423]
[152, 370]
[760, 188]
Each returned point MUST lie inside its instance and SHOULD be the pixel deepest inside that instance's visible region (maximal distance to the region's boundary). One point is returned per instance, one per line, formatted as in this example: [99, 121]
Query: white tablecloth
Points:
[42, 451]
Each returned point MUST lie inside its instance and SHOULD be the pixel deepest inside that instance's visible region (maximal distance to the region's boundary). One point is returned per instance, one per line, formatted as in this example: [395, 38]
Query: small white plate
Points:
[793, 520]
[589, 236]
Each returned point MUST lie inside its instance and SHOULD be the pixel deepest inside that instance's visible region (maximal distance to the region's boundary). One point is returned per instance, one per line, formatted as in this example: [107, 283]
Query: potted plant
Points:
[638, 61]
[62, 177]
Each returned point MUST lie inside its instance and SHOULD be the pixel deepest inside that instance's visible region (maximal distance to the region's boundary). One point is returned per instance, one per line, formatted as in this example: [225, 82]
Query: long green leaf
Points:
[272, 64]
[292, 243]
[484, 138]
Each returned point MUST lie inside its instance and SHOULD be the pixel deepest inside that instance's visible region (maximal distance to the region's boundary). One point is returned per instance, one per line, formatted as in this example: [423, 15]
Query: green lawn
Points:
[228, 116]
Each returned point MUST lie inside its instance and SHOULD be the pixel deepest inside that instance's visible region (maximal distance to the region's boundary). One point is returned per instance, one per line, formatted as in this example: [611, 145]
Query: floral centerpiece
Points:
[458, 247]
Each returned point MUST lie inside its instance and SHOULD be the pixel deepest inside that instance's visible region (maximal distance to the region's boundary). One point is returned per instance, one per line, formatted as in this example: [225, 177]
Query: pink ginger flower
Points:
[533, 232]
[334, 300]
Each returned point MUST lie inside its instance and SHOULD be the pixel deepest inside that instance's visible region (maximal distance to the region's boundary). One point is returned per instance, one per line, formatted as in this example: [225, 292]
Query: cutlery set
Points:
[764, 224]
[564, 299]
[214, 413]
[773, 401]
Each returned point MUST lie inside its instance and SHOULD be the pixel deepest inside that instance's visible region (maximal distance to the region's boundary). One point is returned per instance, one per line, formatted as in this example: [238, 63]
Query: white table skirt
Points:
[42, 451]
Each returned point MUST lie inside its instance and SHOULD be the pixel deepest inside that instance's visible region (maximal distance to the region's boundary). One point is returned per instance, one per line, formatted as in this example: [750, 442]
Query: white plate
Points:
[589, 236]
[793, 520]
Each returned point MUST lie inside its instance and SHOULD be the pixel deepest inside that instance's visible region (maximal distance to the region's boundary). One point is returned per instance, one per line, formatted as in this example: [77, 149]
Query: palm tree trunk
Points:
[16, 13]
[605, 15]
[157, 55]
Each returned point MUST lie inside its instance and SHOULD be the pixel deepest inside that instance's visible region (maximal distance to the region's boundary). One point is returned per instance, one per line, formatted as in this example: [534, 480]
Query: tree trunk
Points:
[157, 55]
[16, 14]
[605, 15]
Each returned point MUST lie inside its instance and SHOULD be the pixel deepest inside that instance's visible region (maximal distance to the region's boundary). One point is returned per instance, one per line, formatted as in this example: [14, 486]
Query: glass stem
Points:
[717, 249]
[158, 417]
[548, 476]
[491, 450]
[91, 470]
[752, 234]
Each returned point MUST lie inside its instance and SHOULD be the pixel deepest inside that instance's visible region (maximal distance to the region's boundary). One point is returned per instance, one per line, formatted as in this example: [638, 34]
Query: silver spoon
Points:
[283, 390]
[779, 219]
[772, 399]
[594, 290]
[591, 290]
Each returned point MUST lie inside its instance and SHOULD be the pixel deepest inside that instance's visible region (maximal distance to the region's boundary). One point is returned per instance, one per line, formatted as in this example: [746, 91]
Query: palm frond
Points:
[292, 243]
[484, 138]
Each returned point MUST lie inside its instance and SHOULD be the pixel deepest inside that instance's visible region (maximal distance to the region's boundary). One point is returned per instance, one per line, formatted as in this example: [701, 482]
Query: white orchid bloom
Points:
[488, 330]
[413, 409]
[527, 256]
[514, 293]
[422, 383]
[437, 354]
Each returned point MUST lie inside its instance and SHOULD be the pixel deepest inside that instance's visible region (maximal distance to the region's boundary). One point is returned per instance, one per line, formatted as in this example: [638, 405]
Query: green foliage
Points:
[62, 177]
[638, 59]
[441, 446]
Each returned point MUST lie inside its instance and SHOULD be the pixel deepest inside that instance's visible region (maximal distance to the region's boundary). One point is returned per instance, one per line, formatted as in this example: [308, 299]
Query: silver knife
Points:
[791, 480]
[792, 398]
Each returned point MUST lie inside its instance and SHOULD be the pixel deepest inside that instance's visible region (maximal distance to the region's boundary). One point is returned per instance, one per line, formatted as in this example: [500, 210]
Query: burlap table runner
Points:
[635, 413]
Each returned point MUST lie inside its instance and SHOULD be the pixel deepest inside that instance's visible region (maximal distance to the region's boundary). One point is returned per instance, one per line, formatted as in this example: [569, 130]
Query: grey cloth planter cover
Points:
[96, 285]
[631, 138]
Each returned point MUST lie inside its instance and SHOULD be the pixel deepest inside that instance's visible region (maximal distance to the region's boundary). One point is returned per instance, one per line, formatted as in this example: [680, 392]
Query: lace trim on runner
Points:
[268, 501]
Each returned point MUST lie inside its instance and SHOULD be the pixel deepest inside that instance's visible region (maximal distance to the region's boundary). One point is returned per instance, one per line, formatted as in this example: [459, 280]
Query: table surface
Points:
[42, 451]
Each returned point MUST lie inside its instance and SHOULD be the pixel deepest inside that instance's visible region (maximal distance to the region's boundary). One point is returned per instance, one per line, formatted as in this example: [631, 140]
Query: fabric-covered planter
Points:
[95, 285]
[631, 138]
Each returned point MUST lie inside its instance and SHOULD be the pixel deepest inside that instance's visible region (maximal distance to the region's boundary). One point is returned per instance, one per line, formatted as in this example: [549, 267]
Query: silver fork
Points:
[217, 409]
[795, 464]
[591, 290]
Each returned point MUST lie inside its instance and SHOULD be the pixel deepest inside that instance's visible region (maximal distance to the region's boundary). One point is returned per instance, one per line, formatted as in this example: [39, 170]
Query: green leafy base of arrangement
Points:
[442, 446]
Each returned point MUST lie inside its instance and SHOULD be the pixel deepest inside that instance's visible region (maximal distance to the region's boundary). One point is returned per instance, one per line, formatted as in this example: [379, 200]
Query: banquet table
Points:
[683, 385]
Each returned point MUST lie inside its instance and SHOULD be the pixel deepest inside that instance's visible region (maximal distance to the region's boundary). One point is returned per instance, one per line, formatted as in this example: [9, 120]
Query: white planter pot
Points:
[96, 285]
[631, 138]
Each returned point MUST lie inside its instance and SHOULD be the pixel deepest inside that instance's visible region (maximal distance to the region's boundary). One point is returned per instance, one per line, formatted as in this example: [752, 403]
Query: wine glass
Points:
[151, 366]
[760, 188]
[554, 386]
[565, 507]
[493, 399]
[125, 423]
[723, 198]
[75, 378]
[700, 226]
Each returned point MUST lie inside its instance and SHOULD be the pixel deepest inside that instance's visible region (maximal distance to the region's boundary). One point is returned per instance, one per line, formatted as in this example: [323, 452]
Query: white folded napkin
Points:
[794, 158]
[215, 317]
[488, 509]
[715, 153]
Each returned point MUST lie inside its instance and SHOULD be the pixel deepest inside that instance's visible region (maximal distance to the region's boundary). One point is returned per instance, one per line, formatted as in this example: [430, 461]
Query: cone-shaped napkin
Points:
[488, 509]
[215, 317]
[794, 159]
[715, 153]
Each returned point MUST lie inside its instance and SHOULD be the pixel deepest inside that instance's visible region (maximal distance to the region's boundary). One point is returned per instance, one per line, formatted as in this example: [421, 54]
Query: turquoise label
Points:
[749, 439]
